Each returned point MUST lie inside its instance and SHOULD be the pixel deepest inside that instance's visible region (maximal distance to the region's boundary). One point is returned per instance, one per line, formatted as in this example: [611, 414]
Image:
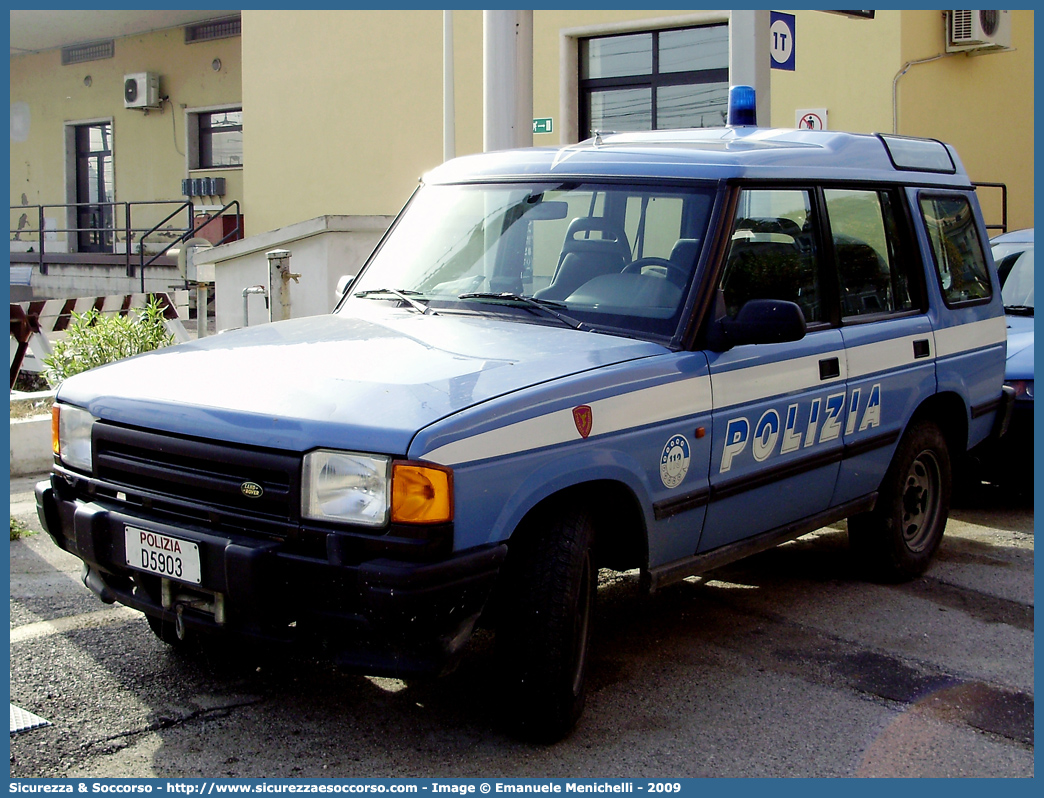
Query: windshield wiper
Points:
[1019, 310]
[403, 295]
[545, 306]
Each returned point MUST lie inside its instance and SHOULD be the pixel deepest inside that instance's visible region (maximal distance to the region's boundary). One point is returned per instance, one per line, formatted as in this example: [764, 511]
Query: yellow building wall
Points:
[467, 83]
[148, 149]
[848, 67]
[342, 111]
[344, 108]
[982, 104]
[358, 95]
[842, 64]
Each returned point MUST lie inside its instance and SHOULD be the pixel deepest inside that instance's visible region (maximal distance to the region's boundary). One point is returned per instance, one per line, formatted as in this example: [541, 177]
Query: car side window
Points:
[772, 252]
[872, 278]
[959, 258]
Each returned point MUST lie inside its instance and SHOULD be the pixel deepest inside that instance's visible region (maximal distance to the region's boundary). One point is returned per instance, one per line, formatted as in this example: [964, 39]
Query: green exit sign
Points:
[542, 125]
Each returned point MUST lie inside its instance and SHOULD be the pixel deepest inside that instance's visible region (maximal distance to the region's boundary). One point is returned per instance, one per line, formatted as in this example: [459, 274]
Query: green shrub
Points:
[94, 339]
[19, 529]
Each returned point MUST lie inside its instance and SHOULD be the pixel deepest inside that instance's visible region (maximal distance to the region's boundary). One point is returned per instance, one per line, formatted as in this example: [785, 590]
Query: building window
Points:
[655, 80]
[94, 187]
[220, 141]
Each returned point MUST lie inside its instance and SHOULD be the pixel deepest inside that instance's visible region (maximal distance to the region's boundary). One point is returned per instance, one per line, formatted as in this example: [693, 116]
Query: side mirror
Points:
[344, 283]
[759, 321]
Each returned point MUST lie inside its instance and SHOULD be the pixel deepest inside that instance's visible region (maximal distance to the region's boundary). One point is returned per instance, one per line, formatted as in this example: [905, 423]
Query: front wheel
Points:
[897, 539]
[544, 631]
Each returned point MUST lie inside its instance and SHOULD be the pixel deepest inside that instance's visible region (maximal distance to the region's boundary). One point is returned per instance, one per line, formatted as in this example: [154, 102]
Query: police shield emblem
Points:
[584, 419]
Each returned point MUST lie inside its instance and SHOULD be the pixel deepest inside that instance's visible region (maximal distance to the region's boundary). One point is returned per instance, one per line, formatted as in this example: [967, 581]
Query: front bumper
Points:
[379, 615]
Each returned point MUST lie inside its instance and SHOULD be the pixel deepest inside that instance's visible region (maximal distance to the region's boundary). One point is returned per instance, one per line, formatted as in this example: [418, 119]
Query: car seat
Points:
[584, 258]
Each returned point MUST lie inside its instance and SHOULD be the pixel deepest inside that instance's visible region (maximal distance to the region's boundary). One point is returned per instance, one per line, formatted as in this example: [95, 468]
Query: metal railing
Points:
[108, 227]
[1003, 226]
[112, 230]
[232, 235]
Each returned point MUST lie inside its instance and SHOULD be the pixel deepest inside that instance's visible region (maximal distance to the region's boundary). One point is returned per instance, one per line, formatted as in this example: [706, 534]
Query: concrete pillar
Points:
[750, 57]
[279, 277]
[507, 79]
[449, 111]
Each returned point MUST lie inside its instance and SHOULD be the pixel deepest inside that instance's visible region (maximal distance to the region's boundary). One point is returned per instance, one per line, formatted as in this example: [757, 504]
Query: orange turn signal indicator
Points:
[55, 446]
[421, 493]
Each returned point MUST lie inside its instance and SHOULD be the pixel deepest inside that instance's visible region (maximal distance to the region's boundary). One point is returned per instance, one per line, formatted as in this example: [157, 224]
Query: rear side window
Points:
[959, 258]
[872, 276]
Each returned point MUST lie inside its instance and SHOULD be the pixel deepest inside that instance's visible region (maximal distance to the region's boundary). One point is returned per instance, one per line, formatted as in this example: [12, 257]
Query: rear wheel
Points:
[544, 630]
[897, 539]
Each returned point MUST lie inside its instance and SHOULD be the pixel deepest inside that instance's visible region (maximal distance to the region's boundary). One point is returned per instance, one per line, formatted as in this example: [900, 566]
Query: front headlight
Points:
[346, 487]
[71, 436]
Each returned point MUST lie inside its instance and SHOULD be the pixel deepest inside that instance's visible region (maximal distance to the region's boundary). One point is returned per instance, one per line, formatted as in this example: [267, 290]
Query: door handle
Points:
[829, 368]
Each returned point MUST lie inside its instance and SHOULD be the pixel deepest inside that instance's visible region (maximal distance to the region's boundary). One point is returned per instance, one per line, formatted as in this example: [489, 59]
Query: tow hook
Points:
[171, 600]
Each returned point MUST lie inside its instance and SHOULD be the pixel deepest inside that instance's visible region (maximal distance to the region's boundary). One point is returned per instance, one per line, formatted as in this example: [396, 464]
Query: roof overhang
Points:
[34, 31]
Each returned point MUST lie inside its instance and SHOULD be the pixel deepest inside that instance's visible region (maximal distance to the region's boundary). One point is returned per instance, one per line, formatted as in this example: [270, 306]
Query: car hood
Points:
[1020, 348]
[346, 382]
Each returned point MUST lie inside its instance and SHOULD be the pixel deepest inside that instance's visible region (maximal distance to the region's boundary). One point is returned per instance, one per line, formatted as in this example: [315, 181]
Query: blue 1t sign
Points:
[781, 39]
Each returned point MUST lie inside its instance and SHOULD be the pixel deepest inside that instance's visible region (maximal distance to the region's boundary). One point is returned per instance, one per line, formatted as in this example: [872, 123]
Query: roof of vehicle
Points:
[716, 153]
[1014, 237]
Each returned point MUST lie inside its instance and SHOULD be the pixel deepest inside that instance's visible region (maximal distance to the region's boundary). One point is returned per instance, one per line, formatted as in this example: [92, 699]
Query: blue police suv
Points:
[661, 351]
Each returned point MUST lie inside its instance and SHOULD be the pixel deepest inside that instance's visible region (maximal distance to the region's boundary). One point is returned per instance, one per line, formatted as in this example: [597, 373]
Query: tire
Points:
[896, 540]
[543, 632]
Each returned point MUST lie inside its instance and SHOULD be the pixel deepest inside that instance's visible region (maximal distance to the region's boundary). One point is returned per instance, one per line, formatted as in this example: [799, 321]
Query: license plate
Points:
[162, 555]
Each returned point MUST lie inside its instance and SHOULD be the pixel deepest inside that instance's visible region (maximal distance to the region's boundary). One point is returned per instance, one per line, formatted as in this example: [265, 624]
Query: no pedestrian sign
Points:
[811, 119]
[781, 40]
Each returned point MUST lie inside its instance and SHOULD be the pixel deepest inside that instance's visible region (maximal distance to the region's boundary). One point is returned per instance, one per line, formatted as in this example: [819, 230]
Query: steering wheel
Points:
[681, 273]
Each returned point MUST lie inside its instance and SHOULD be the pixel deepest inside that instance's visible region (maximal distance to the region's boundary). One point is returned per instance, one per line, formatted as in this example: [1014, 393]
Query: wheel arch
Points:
[621, 536]
[949, 411]
[620, 531]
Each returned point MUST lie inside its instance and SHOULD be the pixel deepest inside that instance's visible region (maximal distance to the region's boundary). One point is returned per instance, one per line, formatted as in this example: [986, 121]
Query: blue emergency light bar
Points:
[743, 109]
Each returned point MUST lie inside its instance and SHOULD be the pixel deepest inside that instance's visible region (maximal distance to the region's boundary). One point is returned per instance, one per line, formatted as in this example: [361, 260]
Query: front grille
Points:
[206, 476]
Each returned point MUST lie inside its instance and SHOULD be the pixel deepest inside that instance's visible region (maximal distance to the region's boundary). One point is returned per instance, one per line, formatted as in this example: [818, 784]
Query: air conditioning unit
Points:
[978, 30]
[141, 90]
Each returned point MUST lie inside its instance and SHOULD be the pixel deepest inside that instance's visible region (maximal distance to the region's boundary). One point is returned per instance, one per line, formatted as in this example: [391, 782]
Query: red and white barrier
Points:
[36, 326]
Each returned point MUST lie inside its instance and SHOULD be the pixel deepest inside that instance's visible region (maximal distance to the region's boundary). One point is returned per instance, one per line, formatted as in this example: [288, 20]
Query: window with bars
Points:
[655, 80]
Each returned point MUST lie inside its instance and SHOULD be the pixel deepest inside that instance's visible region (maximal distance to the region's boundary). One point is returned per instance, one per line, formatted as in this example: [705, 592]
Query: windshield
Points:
[588, 256]
[1017, 280]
